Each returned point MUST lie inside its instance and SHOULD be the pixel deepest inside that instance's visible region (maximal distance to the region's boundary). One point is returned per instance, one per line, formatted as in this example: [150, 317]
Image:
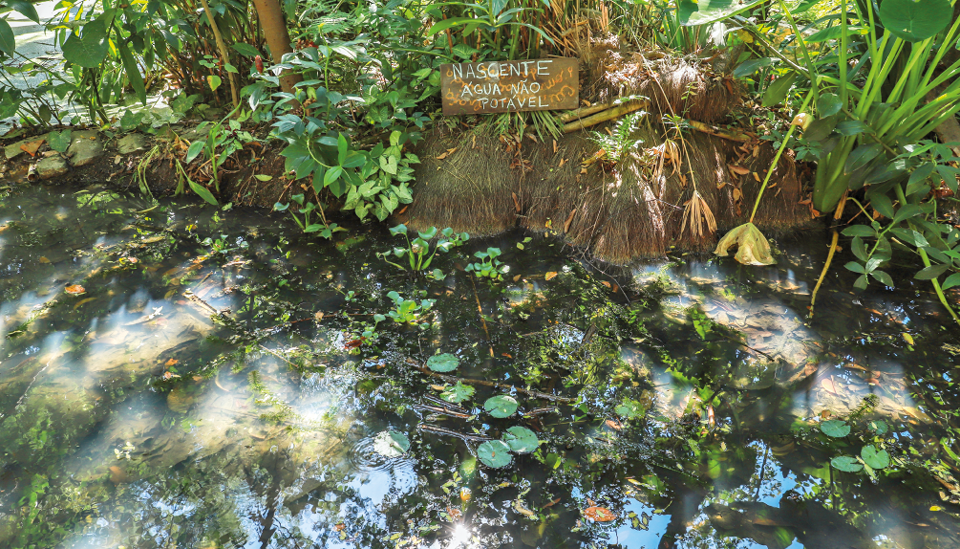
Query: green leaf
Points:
[214, 82]
[835, 428]
[832, 33]
[25, 8]
[203, 192]
[751, 66]
[88, 49]
[8, 43]
[494, 453]
[931, 272]
[777, 91]
[501, 406]
[60, 141]
[859, 230]
[262, 177]
[458, 393]
[133, 72]
[630, 409]
[860, 157]
[829, 104]
[391, 444]
[245, 50]
[342, 149]
[878, 426]
[332, 175]
[820, 128]
[195, 149]
[521, 440]
[846, 463]
[915, 20]
[883, 278]
[445, 24]
[702, 12]
[852, 127]
[876, 459]
[951, 281]
[443, 363]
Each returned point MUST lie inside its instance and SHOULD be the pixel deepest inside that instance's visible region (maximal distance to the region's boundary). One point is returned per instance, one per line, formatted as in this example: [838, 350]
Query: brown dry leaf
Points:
[172, 362]
[402, 210]
[517, 278]
[738, 170]
[756, 176]
[566, 224]
[82, 301]
[554, 146]
[614, 424]
[829, 386]
[118, 475]
[562, 162]
[737, 194]
[43, 259]
[516, 202]
[548, 224]
[599, 514]
[446, 154]
[454, 513]
[339, 527]
[551, 275]
[697, 211]
[169, 375]
[508, 355]
[318, 316]
[75, 289]
[31, 147]
[438, 387]
[607, 284]
[752, 246]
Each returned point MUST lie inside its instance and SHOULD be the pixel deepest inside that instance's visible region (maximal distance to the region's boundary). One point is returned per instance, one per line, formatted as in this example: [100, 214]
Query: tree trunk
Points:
[274, 28]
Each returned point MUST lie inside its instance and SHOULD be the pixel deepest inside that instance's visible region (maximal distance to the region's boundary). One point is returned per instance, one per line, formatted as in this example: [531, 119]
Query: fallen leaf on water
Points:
[517, 278]
[353, 344]
[438, 387]
[508, 355]
[339, 526]
[551, 275]
[518, 505]
[454, 513]
[607, 284]
[171, 362]
[614, 424]
[76, 289]
[752, 246]
[829, 386]
[118, 475]
[43, 259]
[599, 514]
[169, 375]
[908, 338]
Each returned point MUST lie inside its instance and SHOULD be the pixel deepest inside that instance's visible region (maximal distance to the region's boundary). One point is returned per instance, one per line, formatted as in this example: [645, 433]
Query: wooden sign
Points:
[510, 86]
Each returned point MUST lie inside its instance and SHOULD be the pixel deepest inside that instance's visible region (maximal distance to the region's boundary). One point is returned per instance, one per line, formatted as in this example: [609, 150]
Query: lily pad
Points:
[835, 428]
[391, 444]
[752, 246]
[876, 459]
[521, 440]
[501, 406]
[846, 463]
[458, 393]
[494, 454]
[443, 363]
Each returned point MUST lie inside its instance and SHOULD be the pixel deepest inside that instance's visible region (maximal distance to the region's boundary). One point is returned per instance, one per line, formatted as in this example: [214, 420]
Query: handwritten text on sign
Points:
[509, 86]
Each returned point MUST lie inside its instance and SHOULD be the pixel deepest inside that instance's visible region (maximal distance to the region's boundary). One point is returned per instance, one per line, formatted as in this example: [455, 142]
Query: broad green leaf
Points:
[443, 363]
[244, 49]
[829, 104]
[630, 409]
[332, 175]
[214, 82]
[883, 278]
[846, 463]
[777, 91]
[521, 440]
[859, 230]
[751, 66]
[820, 128]
[458, 393]
[855, 267]
[702, 12]
[501, 406]
[833, 33]
[951, 281]
[445, 24]
[835, 428]
[752, 246]
[194, 150]
[915, 20]
[88, 49]
[133, 72]
[852, 127]
[931, 272]
[494, 453]
[7, 42]
[391, 444]
[876, 459]
[878, 426]
[861, 156]
[203, 192]
[60, 141]
[25, 8]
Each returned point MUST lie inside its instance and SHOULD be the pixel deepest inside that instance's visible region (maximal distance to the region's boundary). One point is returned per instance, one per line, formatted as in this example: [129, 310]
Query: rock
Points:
[131, 143]
[51, 167]
[12, 151]
[85, 147]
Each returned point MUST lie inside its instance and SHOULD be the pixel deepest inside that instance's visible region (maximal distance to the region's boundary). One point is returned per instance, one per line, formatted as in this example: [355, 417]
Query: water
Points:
[211, 386]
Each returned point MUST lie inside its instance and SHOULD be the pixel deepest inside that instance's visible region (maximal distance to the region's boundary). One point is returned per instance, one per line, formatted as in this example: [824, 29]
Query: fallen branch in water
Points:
[448, 432]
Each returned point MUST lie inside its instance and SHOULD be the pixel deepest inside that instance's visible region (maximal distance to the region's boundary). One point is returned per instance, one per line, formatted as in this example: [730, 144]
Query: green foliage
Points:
[501, 406]
[488, 266]
[835, 428]
[409, 311]
[419, 252]
[460, 392]
[494, 453]
[521, 440]
[617, 145]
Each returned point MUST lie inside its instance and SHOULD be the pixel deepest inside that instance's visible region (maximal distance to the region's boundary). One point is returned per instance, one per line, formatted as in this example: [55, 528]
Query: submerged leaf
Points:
[521, 440]
[753, 248]
[599, 514]
[443, 363]
[501, 406]
[458, 393]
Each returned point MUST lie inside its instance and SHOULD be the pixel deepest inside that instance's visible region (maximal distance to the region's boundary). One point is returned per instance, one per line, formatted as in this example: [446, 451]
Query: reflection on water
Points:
[173, 376]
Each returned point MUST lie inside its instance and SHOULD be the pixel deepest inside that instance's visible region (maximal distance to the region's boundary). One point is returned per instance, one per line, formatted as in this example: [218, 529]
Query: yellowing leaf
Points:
[75, 289]
[214, 81]
[551, 275]
[752, 246]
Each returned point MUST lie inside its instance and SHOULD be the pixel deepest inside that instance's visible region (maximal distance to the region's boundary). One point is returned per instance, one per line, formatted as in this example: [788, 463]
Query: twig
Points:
[604, 116]
[439, 410]
[531, 392]
[448, 432]
[480, 311]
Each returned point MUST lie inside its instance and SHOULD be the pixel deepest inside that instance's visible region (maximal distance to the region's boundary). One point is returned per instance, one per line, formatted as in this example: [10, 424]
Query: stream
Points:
[174, 376]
